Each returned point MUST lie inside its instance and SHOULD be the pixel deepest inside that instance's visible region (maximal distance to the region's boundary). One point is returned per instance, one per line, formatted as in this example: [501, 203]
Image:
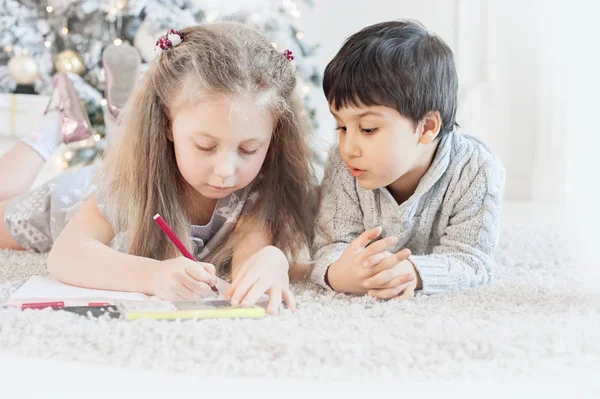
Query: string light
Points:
[62, 163]
[118, 42]
[68, 155]
[8, 49]
[65, 30]
[97, 137]
[47, 43]
[274, 45]
[299, 35]
[212, 16]
[306, 89]
[293, 8]
[120, 5]
[103, 102]
[49, 9]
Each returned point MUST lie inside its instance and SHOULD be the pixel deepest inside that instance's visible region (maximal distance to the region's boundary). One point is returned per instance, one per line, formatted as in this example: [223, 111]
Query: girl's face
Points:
[377, 144]
[221, 143]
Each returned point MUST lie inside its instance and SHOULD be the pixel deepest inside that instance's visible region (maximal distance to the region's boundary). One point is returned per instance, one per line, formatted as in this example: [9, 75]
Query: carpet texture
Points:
[538, 318]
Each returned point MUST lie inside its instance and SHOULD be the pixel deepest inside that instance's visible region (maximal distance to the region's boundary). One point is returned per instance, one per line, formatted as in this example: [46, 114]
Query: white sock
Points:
[111, 125]
[47, 137]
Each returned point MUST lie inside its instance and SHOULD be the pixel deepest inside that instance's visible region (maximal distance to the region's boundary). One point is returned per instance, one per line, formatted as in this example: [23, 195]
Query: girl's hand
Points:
[265, 271]
[182, 279]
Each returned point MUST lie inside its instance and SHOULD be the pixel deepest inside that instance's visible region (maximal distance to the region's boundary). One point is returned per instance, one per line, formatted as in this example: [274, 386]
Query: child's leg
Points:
[122, 68]
[35, 219]
[111, 124]
[6, 240]
[18, 169]
[21, 164]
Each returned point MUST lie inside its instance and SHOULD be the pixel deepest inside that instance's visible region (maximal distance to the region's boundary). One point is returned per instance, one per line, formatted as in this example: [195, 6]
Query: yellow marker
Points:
[204, 309]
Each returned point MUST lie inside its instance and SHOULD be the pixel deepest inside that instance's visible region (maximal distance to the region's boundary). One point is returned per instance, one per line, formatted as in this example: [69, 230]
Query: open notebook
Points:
[132, 304]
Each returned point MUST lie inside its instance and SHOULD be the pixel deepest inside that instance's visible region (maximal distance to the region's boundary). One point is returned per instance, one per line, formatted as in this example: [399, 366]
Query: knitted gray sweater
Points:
[450, 223]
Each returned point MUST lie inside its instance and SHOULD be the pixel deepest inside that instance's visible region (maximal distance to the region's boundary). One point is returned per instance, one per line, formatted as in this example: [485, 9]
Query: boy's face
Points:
[377, 144]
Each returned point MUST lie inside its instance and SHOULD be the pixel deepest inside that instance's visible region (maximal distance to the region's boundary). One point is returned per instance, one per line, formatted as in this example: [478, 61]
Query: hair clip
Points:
[167, 42]
[288, 55]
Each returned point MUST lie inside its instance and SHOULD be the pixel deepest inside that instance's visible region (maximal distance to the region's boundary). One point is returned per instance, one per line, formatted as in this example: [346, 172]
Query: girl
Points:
[215, 141]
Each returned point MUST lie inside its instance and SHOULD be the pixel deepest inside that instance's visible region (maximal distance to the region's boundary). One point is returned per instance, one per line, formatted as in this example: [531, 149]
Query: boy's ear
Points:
[431, 126]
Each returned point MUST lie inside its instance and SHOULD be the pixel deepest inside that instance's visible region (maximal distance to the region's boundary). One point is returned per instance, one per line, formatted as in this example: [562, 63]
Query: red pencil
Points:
[175, 240]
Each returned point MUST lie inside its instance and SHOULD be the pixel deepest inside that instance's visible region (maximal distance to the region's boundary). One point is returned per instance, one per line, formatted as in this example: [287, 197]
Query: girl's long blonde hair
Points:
[141, 177]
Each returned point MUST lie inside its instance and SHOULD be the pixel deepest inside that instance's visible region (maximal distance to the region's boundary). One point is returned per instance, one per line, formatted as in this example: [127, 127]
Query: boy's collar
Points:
[439, 165]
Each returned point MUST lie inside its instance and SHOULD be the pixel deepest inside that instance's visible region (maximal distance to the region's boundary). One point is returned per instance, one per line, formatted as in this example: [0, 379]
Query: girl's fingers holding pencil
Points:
[198, 288]
[209, 267]
[183, 291]
[197, 272]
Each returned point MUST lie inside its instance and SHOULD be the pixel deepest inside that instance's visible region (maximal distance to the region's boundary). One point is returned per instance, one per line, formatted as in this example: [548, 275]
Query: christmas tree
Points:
[42, 37]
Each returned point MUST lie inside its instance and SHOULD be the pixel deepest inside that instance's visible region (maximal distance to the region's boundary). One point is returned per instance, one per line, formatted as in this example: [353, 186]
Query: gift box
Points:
[21, 113]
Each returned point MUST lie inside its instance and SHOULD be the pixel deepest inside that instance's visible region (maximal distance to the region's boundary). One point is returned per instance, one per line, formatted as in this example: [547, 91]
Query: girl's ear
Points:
[432, 123]
[170, 135]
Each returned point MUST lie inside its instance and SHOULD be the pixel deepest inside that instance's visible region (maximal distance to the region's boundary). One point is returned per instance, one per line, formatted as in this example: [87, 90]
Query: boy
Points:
[401, 172]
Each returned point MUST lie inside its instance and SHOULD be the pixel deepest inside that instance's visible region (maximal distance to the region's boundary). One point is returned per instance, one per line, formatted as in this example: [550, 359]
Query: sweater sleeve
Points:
[339, 218]
[463, 258]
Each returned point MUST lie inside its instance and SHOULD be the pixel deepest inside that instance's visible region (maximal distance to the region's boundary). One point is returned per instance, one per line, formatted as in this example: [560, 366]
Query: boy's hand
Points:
[388, 283]
[361, 261]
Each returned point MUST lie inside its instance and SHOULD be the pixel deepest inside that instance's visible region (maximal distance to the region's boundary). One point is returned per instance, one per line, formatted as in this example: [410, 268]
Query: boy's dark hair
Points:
[397, 64]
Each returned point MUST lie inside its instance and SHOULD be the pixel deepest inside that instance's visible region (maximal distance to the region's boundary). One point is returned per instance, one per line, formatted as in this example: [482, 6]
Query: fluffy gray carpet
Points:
[537, 319]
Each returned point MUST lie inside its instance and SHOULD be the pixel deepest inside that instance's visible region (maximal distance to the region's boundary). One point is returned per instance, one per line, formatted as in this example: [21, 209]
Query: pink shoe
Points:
[74, 121]
[122, 66]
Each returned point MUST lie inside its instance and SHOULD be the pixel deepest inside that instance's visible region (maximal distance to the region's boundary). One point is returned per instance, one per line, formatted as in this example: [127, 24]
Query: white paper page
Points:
[38, 287]
[47, 288]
